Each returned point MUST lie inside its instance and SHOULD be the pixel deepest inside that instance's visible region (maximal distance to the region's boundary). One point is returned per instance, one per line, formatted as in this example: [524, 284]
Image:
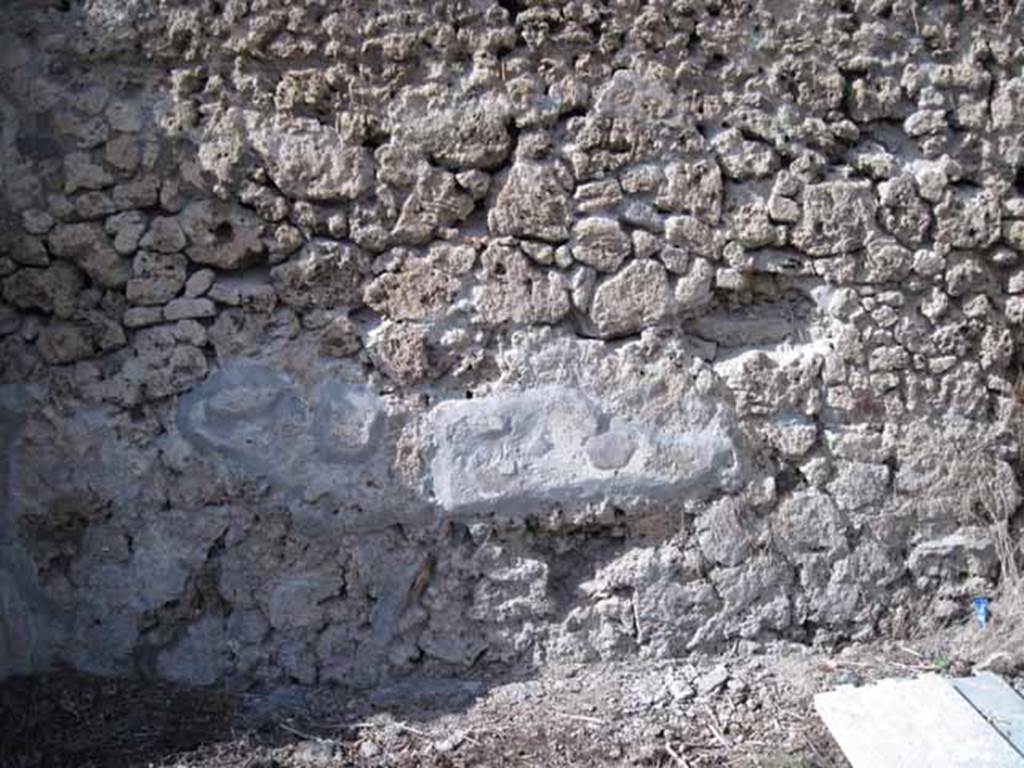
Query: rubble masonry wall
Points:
[341, 339]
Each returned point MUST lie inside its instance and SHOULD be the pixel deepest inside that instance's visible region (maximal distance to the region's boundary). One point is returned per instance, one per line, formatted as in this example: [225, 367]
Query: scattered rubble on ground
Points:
[750, 707]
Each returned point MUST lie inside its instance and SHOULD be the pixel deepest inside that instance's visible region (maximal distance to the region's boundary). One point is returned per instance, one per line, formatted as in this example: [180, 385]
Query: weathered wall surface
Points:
[338, 338]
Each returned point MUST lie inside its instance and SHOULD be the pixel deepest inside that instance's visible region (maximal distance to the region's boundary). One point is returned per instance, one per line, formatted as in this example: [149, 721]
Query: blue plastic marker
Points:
[981, 611]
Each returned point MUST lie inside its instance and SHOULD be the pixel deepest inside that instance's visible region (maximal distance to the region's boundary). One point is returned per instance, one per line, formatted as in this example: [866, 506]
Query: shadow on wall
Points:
[305, 560]
[29, 621]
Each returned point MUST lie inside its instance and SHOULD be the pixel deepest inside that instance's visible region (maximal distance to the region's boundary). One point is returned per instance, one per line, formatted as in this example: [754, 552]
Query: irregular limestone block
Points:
[80, 172]
[518, 292]
[859, 484]
[633, 299]
[314, 162]
[184, 309]
[340, 338]
[968, 219]
[94, 205]
[436, 202]
[551, 444]
[221, 235]
[417, 291]
[90, 248]
[36, 222]
[1008, 104]
[532, 203]
[633, 116]
[693, 186]
[159, 277]
[29, 252]
[237, 411]
[838, 217]
[694, 288]
[475, 182]
[969, 550]
[808, 521]
[199, 283]
[873, 98]
[126, 229]
[598, 195]
[691, 234]
[903, 212]
[743, 159]
[141, 193]
[885, 262]
[721, 534]
[52, 290]
[140, 317]
[165, 235]
[600, 243]
[324, 275]
[466, 136]
[401, 351]
[63, 343]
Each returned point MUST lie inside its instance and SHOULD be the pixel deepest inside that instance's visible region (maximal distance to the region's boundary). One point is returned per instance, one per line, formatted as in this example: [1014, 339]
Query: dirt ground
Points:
[740, 709]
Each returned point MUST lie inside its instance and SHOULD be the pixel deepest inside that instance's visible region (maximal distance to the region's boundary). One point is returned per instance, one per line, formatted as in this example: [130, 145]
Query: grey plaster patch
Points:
[242, 412]
[264, 424]
[550, 445]
[348, 421]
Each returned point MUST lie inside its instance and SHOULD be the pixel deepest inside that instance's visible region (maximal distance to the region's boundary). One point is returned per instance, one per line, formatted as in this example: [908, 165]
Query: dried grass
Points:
[971, 484]
[991, 505]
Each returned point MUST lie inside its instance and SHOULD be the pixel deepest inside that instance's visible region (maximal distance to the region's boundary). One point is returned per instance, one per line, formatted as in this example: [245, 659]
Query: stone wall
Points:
[340, 339]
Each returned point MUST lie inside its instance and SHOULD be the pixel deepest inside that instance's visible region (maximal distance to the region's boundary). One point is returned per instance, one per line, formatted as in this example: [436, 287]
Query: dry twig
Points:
[679, 759]
[716, 729]
[307, 736]
[581, 718]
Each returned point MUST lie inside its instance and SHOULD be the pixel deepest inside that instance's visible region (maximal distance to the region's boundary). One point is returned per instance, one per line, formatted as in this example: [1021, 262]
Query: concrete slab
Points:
[997, 702]
[921, 723]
